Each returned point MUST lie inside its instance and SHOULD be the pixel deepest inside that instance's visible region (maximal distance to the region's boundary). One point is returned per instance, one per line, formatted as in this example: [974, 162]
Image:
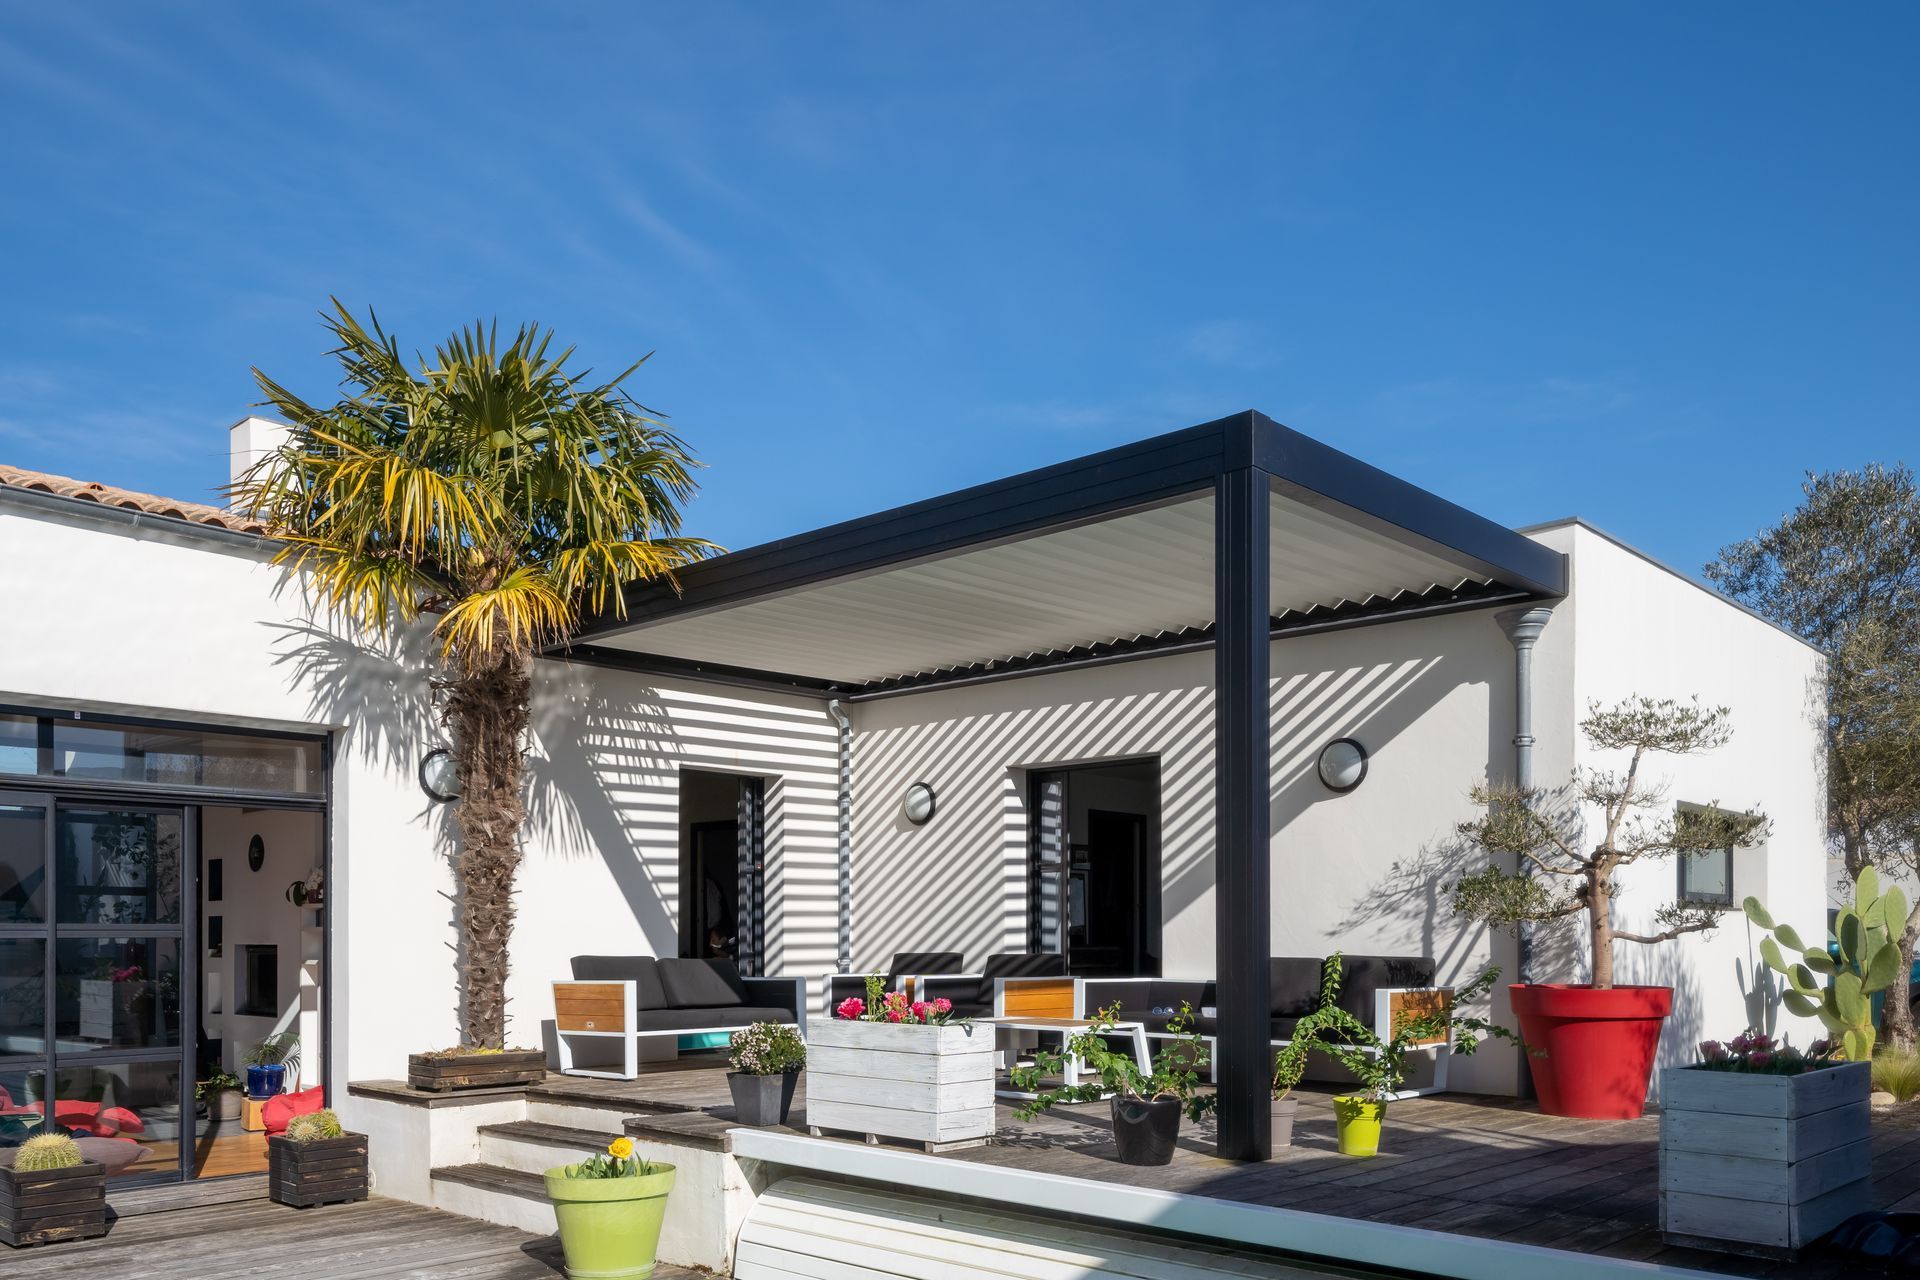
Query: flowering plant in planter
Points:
[1756, 1053]
[882, 1005]
[609, 1209]
[766, 1061]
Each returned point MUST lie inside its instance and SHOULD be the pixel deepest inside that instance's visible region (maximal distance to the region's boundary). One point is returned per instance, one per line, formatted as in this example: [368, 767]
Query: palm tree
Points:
[504, 495]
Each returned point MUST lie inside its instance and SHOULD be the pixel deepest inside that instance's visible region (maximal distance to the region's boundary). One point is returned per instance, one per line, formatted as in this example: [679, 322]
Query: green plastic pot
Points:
[610, 1227]
[1357, 1120]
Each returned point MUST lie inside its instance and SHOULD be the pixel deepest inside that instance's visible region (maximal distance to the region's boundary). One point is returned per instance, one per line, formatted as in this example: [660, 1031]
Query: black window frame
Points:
[1695, 898]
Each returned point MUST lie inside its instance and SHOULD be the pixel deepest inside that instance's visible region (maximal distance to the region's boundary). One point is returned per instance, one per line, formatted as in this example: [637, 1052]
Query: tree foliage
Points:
[1842, 570]
[503, 494]
[1559, 872]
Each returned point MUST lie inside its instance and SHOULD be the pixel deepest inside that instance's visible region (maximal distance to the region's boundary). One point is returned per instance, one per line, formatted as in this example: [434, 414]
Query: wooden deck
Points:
[1482, 1166]
[377, 1238]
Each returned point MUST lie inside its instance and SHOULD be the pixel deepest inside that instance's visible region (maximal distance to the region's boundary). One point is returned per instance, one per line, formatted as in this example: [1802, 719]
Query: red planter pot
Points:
[1599, 1045]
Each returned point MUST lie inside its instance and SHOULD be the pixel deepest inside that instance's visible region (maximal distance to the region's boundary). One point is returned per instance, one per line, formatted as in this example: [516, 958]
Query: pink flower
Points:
[1760, 1058]
[920, 1010]
[1713, 1051]
[850, 1008]
[895, 1015]
[942, 1005]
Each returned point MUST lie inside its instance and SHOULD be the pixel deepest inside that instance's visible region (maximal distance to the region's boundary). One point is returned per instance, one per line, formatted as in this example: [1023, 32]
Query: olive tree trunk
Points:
[1600, 924]
[486, 709]
[1896, 1013]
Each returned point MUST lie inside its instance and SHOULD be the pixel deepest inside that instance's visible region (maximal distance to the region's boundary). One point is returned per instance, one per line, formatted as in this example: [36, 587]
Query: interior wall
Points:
[254, 910]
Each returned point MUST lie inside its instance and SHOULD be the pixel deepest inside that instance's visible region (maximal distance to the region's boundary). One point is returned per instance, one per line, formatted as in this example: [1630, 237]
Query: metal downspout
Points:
[838, 711]
[1523, 628]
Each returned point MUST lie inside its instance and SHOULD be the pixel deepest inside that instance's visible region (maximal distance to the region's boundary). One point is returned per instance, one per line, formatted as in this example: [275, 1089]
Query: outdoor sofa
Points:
[983, 994]
[631, 998]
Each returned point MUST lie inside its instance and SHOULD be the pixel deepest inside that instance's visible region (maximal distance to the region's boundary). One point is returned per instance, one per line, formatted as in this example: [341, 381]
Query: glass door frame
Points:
[52, 931]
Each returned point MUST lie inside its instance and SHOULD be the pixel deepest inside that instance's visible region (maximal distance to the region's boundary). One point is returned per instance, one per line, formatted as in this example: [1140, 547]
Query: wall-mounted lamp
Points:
[919, 803]
[438, 777]
[1343, 764]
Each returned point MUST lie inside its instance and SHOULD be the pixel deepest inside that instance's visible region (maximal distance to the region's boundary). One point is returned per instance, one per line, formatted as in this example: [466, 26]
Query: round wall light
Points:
[438, 777]
[918, 804]
[1343, 764]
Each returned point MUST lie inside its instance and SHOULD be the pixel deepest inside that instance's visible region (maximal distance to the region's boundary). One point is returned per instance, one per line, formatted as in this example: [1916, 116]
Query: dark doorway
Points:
[1094, 887]
[722, 871]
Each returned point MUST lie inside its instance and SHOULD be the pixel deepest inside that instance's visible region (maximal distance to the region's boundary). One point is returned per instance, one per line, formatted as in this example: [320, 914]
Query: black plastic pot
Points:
[762, 1100]
[1145, 1131]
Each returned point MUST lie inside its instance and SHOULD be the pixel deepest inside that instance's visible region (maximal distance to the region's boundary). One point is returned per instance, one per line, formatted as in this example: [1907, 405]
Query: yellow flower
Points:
[620, 1148]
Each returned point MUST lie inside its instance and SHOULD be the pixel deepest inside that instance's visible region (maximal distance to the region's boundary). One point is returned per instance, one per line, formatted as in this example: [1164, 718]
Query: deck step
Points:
[492, 1193]
[551, 1135]
[534, 1146]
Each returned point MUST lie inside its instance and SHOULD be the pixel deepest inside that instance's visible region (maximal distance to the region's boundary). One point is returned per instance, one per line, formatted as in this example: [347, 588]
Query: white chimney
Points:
[250, 440]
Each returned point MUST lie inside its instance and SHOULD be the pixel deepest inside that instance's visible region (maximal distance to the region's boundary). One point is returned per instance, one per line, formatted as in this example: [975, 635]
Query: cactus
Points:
[1869, 961]
[313, 1127]
[48, 1151]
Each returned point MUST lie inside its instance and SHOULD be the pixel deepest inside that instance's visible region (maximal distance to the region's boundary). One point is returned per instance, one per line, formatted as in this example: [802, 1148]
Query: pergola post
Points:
[1243, 765]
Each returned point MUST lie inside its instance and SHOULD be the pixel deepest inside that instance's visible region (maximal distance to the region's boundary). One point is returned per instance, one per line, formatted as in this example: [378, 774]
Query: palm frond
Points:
[522, 613]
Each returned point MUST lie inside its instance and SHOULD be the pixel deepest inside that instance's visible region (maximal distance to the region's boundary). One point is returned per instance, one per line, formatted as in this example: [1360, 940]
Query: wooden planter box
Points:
[324, 1171]
[53, 1204]
[1763, 1164]
[927, 1085]
[476, 1070]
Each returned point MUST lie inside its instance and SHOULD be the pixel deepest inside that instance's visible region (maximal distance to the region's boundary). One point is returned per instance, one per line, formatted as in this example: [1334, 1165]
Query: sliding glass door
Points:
[95, 987]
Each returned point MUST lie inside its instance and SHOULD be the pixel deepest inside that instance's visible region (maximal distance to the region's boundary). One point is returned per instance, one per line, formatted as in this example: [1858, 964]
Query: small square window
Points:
[1706, 878]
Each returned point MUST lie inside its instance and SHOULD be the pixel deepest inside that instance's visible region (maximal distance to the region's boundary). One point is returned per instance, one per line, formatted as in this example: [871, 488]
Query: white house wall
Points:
[158, 623]
[1431, 700]
[1637, 628]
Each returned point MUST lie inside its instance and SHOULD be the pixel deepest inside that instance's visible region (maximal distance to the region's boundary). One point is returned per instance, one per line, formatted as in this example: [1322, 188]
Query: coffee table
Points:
[1066, 1027]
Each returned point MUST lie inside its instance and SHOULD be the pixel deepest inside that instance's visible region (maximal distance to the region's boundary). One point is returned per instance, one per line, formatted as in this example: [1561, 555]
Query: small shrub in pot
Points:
[1146, 1104]
[766, 1059]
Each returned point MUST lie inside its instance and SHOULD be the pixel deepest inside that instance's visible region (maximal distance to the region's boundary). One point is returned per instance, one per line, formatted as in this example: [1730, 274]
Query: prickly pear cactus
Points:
[48, 1151]
[1868, 961]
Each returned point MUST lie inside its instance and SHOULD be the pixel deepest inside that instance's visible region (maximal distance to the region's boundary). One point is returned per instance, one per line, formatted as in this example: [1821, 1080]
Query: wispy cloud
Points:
[677, 242]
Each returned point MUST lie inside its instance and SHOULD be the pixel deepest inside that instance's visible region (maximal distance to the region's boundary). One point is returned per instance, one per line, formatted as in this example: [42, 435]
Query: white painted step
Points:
[506, 1197]
[532, 1146]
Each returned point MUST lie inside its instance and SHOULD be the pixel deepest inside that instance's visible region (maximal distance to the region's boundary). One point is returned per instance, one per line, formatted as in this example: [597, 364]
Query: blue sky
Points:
[1642, 263]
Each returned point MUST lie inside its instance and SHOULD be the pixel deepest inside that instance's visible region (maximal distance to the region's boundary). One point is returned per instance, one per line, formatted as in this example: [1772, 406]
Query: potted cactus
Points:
[316, 1162]
[51, 1192]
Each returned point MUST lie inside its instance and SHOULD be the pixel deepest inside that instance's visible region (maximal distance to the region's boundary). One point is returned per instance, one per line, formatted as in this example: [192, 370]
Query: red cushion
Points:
[285, 1106]
[118, 1120]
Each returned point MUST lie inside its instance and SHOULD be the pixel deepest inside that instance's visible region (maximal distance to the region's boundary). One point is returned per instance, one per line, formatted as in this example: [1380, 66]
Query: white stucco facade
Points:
[152, 620]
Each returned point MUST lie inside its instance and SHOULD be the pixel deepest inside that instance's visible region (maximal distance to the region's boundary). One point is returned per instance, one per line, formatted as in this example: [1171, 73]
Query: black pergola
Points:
[791, 611]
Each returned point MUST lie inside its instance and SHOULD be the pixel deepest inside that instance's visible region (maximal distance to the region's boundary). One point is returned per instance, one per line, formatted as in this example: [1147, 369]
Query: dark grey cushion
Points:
[642, 971]
[911, 964]
[1293, 985]
[701, 984]
[1362, 977]
[740, 1015]
[1133, 996]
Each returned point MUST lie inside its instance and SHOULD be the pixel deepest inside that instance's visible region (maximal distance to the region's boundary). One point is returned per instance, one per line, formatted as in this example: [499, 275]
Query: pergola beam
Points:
[1243, 824]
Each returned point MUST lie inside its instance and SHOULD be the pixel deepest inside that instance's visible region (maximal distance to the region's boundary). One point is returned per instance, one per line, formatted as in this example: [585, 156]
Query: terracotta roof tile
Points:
[108, 496]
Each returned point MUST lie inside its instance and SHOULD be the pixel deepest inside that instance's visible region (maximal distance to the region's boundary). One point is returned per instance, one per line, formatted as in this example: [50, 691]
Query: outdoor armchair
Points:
[974, 995]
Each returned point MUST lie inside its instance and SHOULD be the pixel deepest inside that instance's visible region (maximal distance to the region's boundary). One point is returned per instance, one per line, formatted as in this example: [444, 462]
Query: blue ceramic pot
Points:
[266, 1082]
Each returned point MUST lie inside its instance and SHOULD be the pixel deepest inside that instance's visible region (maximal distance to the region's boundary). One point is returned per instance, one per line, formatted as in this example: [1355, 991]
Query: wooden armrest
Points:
[1396, 1005]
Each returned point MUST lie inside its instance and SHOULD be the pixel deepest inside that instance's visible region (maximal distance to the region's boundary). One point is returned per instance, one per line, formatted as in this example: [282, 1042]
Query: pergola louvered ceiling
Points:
[1097, 559]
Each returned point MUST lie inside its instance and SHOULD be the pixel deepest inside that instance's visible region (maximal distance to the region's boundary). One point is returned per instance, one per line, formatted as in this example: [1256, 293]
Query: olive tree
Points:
[1563, 870]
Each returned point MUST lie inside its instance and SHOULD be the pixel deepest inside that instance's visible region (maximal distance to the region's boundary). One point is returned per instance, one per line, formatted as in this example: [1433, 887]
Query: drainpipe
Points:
[838, 711]
[1523, 629]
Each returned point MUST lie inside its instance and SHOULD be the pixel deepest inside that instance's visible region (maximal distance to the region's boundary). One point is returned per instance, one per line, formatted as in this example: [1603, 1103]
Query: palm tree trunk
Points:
[487, 709]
